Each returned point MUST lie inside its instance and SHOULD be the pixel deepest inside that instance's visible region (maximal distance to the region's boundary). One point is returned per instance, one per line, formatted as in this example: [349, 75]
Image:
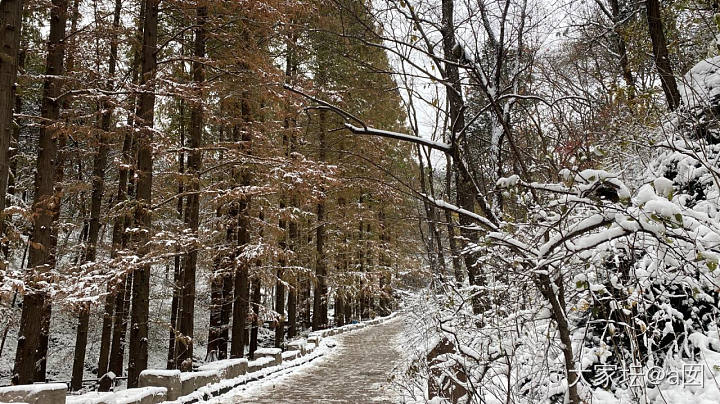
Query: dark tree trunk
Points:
[319, 319]
[464, 185]
[255, 317]
[11, 17]
[292, 310]
[294, 278]
[553, 293]
[660, 52]
[120, 289]
[120, 321]
[115, 307]
[339, 309]
[240, 305]
[242, 286]
[36, 311]
[280, 302]
[171, 359]
[143, 214]
[225, 312]
[192, 213]
[229, 274]
[348, 308]
[80, 345]
[12, 159]
[216, 305]
[622, 49]
[106, 334]
[98, 189]
[452, 241]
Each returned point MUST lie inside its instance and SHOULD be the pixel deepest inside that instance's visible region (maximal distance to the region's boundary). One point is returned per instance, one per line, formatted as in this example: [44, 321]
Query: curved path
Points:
[357, 370]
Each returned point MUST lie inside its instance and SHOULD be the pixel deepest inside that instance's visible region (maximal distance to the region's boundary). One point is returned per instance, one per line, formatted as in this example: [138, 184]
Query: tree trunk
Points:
[120, 288]
[80, 344]
[11, 17]
[106, 334]
[225, 312]
[292, 309]
[242, 286]
[622, 49]
[240, 305]
[348, 308]
[280, 302]
[660, 52]
[319, 319]
[36, 313]
[255, 318]
[216, 304]
[452, 241]
[339, 309]
[120, 321]
[464, 185]
[143, 213]
[557, 306]
[12, 160]
[294, 278]
[98, 189]
[192, 213]
[177, 271]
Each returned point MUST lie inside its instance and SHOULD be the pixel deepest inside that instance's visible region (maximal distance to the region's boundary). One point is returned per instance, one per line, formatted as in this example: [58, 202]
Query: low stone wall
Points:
[274, 353]
[169, 379]
[141, 395]
[157, 386]
[92, 398]
[288, 356]
[227, 368]
[259, 364]
[298, 345]
[51, 393]
[193, 381]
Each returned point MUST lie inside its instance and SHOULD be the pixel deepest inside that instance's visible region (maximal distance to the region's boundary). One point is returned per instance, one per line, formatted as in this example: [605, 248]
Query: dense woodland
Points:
[536, 183]
[167, 197]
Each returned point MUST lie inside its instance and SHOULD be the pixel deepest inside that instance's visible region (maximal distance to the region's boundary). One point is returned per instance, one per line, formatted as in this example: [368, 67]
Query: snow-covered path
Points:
[357, 370]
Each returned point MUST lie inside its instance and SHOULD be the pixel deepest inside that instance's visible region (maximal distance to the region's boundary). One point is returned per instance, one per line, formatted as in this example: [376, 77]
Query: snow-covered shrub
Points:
[597, 274]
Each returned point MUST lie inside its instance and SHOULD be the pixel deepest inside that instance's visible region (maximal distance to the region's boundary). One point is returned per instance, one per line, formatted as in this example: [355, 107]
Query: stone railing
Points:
[173, 386]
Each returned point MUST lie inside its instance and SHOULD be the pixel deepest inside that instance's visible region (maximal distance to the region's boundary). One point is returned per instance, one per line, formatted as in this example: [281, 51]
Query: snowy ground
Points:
[359, 369]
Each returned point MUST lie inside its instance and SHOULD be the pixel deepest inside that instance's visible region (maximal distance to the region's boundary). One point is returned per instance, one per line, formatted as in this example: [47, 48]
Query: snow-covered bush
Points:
[600, 282]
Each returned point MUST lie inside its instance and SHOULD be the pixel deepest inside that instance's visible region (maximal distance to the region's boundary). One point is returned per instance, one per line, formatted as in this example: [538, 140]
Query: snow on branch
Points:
[444, 147]
[363, 129]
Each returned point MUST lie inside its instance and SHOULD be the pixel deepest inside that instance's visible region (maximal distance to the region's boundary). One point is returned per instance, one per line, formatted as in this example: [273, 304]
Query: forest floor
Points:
[358, 370]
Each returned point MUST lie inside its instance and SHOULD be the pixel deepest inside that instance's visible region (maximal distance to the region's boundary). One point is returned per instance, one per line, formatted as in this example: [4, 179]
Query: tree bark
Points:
[660, 52]
[216, 304]
[192, 213]
[177, 265]
[240, 305]
[242, 286]
[12, 160]
[465, 188]
[226, 312]
[11, 17]
[98, 190]
[557, 305]
[143, 213]
[255, 318]
[80, 345]
[292, 309]
[319, 318]
[120, 321]
[622, 49]
[36, 313]
[339, 309]
[452, 241]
